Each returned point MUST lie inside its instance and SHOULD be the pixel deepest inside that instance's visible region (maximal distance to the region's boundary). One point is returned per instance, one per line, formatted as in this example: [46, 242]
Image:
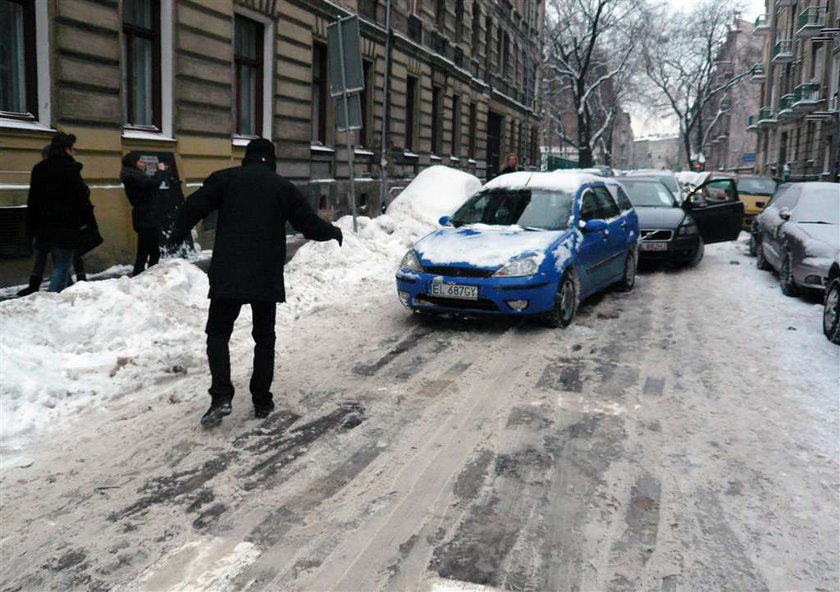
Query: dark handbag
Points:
[89, 237]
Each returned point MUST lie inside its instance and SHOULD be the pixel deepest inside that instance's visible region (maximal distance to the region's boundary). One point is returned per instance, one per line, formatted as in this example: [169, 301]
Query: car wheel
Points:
[628, 280]
[789, 287]
[831, 312]
[565, 302]
[698, 255]
[760, 259]
[753, 245]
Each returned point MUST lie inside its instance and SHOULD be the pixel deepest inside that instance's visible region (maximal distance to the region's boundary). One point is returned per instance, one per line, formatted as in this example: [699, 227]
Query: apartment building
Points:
[729, 146]
[797, 125]
[198, 79]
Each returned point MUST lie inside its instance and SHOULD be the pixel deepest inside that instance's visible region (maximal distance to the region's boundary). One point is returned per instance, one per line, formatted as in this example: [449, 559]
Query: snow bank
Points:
[62, 355]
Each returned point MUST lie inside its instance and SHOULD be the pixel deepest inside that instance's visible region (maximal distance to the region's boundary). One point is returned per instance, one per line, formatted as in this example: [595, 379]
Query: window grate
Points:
[13, 239]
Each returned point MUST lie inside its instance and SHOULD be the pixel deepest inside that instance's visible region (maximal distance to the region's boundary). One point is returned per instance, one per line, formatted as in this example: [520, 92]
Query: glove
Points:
[338, 235]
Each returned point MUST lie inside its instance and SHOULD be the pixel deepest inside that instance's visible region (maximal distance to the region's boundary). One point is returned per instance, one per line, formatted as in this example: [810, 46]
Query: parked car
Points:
[677, 234]
[754, 224]
[831, 305]
[755, 192]
[668, 178]
[526, 244]
[798, 235]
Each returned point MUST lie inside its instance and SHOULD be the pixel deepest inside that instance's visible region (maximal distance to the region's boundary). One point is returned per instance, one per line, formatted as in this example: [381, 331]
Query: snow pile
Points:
[97, 342]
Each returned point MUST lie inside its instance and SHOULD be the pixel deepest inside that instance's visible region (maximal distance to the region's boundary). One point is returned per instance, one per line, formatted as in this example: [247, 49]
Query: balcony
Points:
[752, 123]
[783, 3]
[786, 105]
[809, 98]
[758, 73]
[766, 116]
[415, 28]
[783, 52]
[761, 25]
[811, 21]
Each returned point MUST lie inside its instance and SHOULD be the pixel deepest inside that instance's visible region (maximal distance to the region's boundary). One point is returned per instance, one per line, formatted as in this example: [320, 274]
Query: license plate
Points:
[458, 291]
[653, 246]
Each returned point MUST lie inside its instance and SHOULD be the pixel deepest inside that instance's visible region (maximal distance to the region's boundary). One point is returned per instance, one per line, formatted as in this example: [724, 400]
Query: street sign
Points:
[343, 48]
[748, 157]
[353, 111]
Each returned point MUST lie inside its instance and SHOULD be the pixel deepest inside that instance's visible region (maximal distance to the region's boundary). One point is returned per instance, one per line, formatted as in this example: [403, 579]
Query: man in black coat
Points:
[253, 203]
[58, 206]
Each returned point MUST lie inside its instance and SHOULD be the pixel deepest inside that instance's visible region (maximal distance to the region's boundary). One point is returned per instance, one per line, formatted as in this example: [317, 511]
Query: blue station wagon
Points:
[532, 244]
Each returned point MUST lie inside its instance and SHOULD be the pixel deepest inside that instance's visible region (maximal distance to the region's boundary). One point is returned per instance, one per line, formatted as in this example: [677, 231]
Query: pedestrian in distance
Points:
[58, 207]
[41, 252]
[511, 164]
[140, 188]
[254, 204]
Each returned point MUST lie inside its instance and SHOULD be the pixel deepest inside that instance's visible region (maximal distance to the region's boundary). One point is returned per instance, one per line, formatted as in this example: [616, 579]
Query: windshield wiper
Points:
[816, 222]
[532, 228]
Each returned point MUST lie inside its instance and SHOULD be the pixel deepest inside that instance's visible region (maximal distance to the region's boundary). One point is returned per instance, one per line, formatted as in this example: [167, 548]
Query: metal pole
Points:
[346, 98]
[383, 161]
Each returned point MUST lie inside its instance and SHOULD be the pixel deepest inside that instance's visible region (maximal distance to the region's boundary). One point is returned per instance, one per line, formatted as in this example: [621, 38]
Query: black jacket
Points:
[140, 189]
[254, 204]
[59, 203]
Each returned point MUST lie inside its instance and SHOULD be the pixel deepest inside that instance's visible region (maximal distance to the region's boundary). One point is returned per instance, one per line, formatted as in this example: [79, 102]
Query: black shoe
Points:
[214, 415]
[34, 286]
[262, 411]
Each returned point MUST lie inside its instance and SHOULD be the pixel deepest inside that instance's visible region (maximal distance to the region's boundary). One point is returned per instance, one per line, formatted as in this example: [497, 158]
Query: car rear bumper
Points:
[494, 294]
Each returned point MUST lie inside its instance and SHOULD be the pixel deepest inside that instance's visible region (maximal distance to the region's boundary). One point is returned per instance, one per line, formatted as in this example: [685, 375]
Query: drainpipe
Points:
[383, 161]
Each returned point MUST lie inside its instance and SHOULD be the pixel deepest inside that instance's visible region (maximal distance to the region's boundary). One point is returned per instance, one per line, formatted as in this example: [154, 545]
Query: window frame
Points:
[473, 133]
[438, 97]
[31, 65]
[412, 103]
[155, 34]
[321, 135]
[455, 139]
[259, 65]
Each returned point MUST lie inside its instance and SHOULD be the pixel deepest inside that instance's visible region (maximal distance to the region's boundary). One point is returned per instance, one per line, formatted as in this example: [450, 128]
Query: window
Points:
[588, 207]
[248, 65]
[320, 94]
[606, 205]
[411, 104]
[621, 198]
[18, 71]
[459, 20]
[437, 104]
[455, 148]
[488, 36]
[473, 125]
[365, 98]
[141, 64]
[476, 28]
[367, 9]
[440, 14]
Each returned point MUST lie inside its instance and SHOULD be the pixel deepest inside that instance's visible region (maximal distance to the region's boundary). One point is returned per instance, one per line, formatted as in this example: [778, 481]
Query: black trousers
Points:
[148, 249]
[223, 314]
[41, 263]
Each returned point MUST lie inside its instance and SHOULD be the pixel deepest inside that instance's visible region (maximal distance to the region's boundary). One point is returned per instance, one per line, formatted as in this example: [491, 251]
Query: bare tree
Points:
[680, 60]
[589, 44]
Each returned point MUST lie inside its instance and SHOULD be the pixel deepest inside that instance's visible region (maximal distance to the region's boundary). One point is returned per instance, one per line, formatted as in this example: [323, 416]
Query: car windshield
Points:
[667, 179]
[818, 206]
[756, 186]
[648, 194]
[529, 208]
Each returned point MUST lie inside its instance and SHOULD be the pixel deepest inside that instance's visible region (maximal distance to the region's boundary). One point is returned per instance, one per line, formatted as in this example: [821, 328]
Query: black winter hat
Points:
[260, 147]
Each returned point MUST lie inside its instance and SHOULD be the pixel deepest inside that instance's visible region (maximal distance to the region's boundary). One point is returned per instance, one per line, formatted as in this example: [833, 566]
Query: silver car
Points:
[798, 235]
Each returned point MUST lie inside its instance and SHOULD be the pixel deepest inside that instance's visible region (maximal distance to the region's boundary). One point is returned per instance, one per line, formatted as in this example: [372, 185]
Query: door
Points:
[617, 242]
[716, 209]
[494, 143]
[594, 255]
[772, 224]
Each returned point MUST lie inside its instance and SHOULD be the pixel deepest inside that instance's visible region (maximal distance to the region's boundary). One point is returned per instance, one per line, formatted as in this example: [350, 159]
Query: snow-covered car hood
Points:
[825, 233]
[665, 218]
[480, 245]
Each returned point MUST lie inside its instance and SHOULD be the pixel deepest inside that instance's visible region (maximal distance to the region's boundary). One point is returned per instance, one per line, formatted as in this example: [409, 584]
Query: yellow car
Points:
[755, 192]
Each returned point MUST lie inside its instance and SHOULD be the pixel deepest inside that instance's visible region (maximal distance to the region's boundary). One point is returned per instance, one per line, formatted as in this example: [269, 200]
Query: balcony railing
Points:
[762, 24]
[758, 73]
[782, 3]
[786, 103]
[752, 123]
[811, 20]
[766, 116]
[783, 51]
[809, 97]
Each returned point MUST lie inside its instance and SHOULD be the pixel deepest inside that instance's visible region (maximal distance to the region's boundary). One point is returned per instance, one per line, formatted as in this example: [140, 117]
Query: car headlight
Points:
[687, 228]
[410, 261]
[519, 267]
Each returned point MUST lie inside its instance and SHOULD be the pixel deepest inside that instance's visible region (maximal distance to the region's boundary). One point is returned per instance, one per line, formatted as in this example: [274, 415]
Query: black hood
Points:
[665, 218]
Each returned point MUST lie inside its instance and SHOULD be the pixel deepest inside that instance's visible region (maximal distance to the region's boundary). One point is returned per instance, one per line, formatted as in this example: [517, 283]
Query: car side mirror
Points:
[784, 214]
[444, 220]
[594, 225]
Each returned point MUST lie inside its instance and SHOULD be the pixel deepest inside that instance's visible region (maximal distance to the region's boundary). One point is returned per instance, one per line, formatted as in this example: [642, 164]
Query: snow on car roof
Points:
[556, 181]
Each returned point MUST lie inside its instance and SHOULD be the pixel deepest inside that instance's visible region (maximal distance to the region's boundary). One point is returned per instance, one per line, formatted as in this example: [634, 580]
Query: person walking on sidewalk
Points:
[41, 252]
[140, 189]
[58, 207]
[254, 204]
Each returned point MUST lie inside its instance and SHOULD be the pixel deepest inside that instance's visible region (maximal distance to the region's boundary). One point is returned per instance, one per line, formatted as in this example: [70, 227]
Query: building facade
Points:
[199, 79]
[659, 152]
[729, 146]
[798, 122]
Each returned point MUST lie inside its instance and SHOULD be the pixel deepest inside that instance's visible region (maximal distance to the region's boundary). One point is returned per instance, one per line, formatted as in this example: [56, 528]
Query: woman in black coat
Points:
[140, 189]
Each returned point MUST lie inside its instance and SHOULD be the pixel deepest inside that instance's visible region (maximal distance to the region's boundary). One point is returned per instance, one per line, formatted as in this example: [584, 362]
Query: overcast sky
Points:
[645, 123]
